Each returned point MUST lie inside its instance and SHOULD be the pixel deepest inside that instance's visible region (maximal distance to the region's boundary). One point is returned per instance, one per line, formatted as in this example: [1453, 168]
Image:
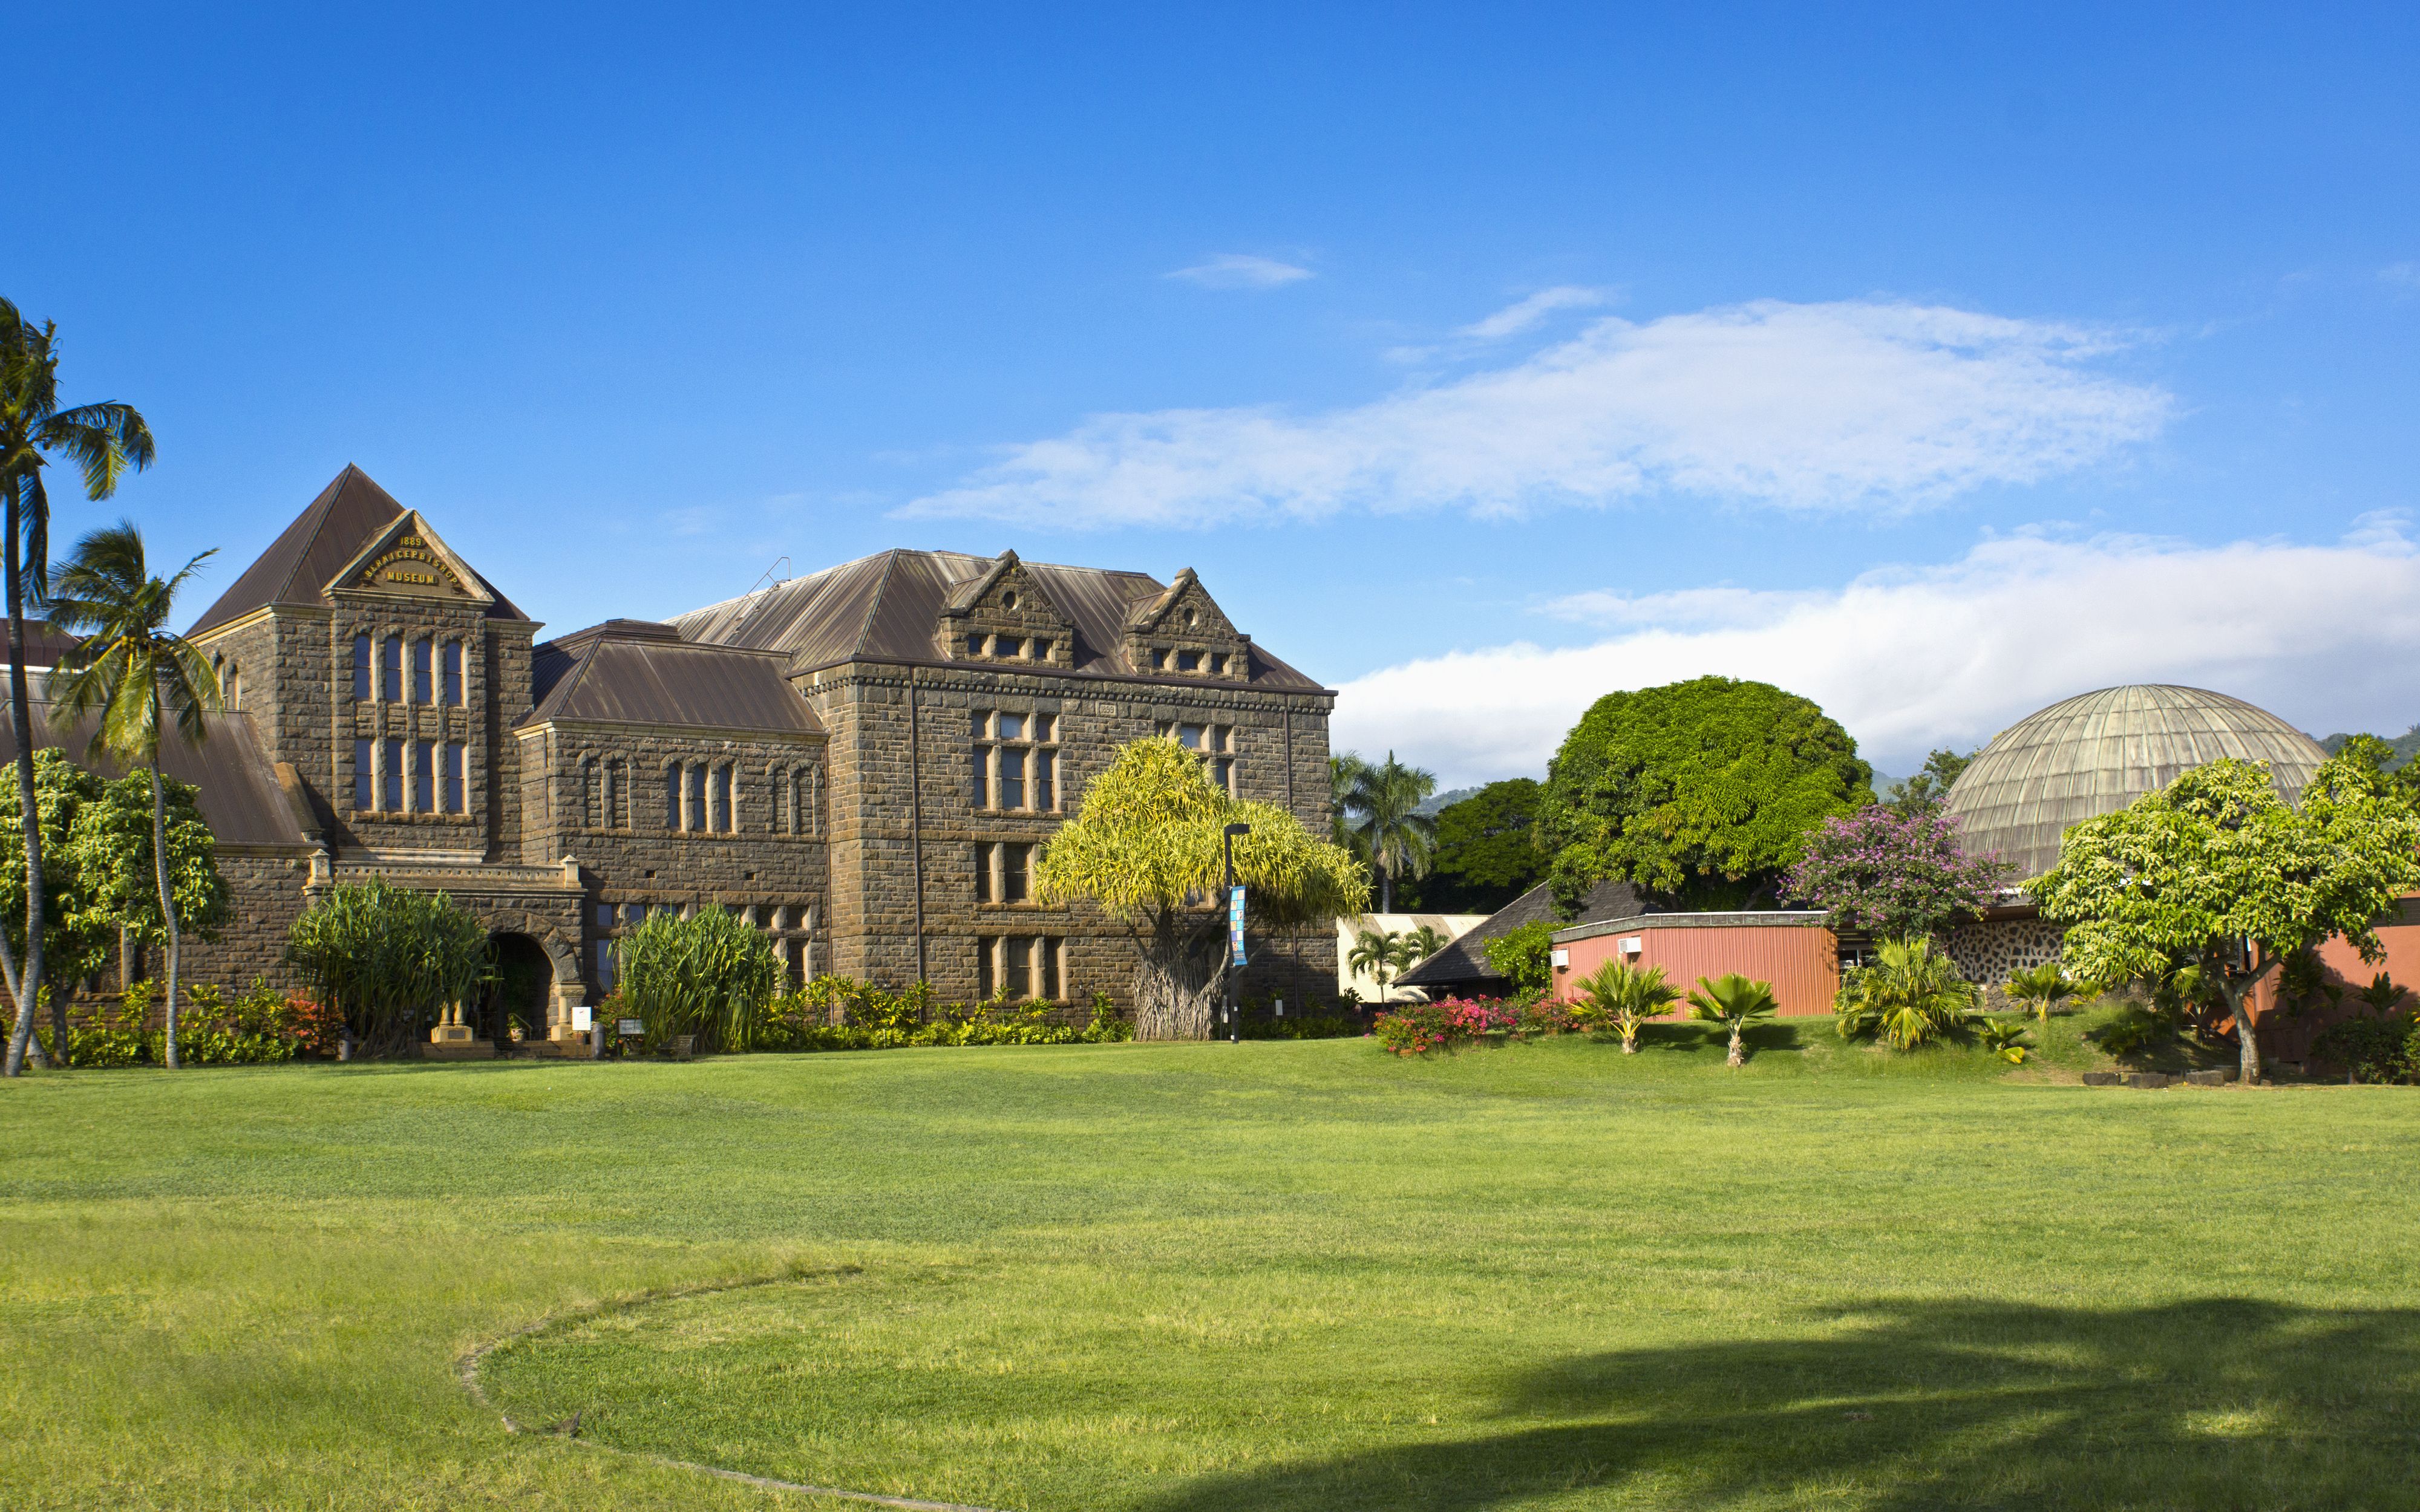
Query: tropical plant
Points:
[1487, 852]
[1344, 771]
[1422, 942]
[1887, 873]
[2383, 995]
[103, 441]
[1910, 994]
[387, 958]
[76, 937]
[709, 976]
[1697, 793]
[2046, 986]
[1626, 997]
[115, 857]
[1734, 1002]
[135, 673]
[1377, 954]
[2006, 1040]
[1147, 845]
[1524, 956]
[2216, 870]
[1383, 809]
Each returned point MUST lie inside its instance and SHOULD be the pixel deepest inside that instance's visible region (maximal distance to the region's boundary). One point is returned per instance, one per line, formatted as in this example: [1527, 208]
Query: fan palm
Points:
[137, 674]
[1626, 997]
[102, 440]
[1734, 1002]
[1910, 995]
[1384, 809]
[2045, 987]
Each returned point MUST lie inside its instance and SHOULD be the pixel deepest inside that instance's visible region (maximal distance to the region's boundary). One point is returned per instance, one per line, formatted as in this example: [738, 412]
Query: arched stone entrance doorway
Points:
[521, 988]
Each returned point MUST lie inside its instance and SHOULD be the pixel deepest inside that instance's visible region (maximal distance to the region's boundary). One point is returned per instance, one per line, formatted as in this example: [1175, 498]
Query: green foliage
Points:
[77, 938]
[1422, 942]
[2385, 1049]
[1625, 997]
[709, 976]
[109, 849]
[1699, 792]
[1929, 787]
[387, 959]
[1909, 996]
[257, 1026]
[1377, 954]
[1381, 809]
[2046, 986]
[842, 1013]
[1487, 852]
[1734, 1002]
[2135, 1031]
[1524, 956]
[2186, 875]
[2005, 1040]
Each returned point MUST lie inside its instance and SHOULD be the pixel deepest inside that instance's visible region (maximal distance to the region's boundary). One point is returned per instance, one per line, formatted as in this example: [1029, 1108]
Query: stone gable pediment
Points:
[1005, 615]
[408, 560]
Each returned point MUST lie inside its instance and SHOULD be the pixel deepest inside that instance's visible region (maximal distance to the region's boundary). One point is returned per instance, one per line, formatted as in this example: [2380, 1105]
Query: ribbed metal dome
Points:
[2097, 753]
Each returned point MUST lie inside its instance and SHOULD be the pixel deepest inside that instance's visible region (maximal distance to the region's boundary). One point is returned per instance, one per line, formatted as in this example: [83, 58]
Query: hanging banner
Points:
[1236, 924]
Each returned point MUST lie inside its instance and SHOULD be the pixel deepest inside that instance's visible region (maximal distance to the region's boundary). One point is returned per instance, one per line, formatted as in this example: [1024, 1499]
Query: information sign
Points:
[632, 1028]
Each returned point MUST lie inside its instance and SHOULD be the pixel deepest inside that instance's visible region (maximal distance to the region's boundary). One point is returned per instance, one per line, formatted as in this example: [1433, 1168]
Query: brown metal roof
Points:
[612, 677]
[1464, 961]
[241, 795]
[888, 607]
[308, 555]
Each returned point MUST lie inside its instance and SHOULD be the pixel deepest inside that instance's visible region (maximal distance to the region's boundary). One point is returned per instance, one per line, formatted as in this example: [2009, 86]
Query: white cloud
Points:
[1908, 659]
[2403, 277]
[1845, 406]
[1517, 317]
[1236, 269]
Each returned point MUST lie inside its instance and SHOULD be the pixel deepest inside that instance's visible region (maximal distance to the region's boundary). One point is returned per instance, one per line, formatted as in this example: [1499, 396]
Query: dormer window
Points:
[1159, 659]
[1187, 661]
[1218, 663]
[975, 644]
[1042, 647]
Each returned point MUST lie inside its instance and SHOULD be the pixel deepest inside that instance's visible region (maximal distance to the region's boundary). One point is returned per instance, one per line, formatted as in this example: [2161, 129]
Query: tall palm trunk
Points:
[160, 867]
[21, 725]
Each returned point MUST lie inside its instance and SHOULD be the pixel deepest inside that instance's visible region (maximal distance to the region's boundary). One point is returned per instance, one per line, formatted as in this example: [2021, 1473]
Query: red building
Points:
[1791, 950]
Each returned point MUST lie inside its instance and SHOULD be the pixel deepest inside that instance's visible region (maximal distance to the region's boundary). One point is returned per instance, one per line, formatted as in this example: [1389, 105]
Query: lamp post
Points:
[1236, 933]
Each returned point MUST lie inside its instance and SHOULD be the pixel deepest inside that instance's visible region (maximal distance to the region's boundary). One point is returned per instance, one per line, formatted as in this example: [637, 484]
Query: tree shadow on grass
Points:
[2209, 1403]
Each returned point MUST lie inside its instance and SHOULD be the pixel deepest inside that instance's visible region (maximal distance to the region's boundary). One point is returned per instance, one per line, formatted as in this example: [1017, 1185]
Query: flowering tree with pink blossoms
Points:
[1893, 875]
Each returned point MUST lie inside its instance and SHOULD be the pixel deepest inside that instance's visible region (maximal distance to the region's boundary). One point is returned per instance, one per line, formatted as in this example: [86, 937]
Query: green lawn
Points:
[1203, 1278]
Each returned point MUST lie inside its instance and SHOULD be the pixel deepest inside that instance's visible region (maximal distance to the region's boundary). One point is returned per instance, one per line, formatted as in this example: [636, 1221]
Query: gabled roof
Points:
[886, 607]
[313, 552]
[1466, 958]
[629, 671]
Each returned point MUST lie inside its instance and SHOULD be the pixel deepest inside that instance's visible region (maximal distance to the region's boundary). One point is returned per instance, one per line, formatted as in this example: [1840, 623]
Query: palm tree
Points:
[102, 439]
[2045, 987]
[1378, 953]
[1734, 1002]
[1422, 943]
[1343, 773]
[135, 671]
[1626, 997]
[1910, 995]
[1394, 835]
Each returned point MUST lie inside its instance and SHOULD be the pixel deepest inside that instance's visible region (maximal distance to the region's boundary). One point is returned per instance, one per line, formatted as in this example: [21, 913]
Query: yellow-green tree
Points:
[1147, 845]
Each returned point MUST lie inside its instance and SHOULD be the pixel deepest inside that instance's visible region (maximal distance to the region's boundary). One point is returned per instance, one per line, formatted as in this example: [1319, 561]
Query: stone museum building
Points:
[863, 761]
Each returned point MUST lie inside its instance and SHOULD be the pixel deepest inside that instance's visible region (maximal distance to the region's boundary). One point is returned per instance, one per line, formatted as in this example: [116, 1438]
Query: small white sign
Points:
[1562, 957]
[582, 1018]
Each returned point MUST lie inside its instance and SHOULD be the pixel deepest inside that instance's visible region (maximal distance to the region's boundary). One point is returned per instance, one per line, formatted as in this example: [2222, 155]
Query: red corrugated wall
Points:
[1802, 963]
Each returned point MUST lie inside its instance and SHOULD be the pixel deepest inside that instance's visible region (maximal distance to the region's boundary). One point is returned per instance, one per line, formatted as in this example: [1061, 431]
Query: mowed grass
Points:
[1186, 1278]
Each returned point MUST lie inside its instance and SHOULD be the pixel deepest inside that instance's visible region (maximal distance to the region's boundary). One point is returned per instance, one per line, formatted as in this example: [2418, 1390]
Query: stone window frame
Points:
[1033, 754]
[1047, 966]
[1217, 754]
[993, 873]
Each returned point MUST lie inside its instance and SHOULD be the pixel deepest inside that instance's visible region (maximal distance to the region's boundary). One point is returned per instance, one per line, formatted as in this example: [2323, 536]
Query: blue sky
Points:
[1481, 359]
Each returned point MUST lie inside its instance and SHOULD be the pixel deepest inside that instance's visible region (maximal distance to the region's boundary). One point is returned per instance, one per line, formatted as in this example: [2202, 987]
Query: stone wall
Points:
[267, 896]
[1987, 950]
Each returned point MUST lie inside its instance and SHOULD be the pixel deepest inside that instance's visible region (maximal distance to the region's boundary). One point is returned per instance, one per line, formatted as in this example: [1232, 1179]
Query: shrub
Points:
[1416, 1029]
[256, 1027]
[2133, 1032]
[1910, 996]
[842, 1013]
[1524, 956]
[2006, 1040]
[2380, 1050]
[387, 959]
[709, 976]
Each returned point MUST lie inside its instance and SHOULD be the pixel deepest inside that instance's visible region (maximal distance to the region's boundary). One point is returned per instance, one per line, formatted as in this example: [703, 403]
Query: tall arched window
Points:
[693, 810]
[360, 668]
[618, 794]
[777, 801]
[673, 795]
[591, 795]
[391, 671]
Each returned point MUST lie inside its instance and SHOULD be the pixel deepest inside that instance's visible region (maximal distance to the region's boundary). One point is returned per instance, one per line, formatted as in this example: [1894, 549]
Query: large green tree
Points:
[1698, 793]
[1929, 788]
[1381, 809]
[2218, 873]
[76, 939]
[1487, 852]
[1147, 845]
[103, 441]
[137, 676]
[126, 835]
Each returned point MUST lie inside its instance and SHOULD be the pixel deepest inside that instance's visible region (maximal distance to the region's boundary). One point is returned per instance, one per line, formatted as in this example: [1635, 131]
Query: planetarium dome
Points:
[2095, 753]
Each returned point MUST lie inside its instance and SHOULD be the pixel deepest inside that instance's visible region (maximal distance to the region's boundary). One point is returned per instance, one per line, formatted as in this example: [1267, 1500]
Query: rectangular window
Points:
[1011, 727]
[1018, 973]
[453, 777]
[423, 777]
[982, 720]
[604, 964]
[1189, 736]
[1014, 862]
[1218, 663]
[1042, 646]
[1188, 660]
[362, 671]
[986, 983]
[391, 671]
[983, 873]
[365, 777]
[453, 673]
[974, 645]
[1045, 726]
[697, 796]
[1012, 778]
[391, 789]
[722, 820]
[1159, 659]
[983, 776]
[1222, 776]
[1050, 954]
[605, 916]
[672, 796]
[1046, 780]
[421, 690]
